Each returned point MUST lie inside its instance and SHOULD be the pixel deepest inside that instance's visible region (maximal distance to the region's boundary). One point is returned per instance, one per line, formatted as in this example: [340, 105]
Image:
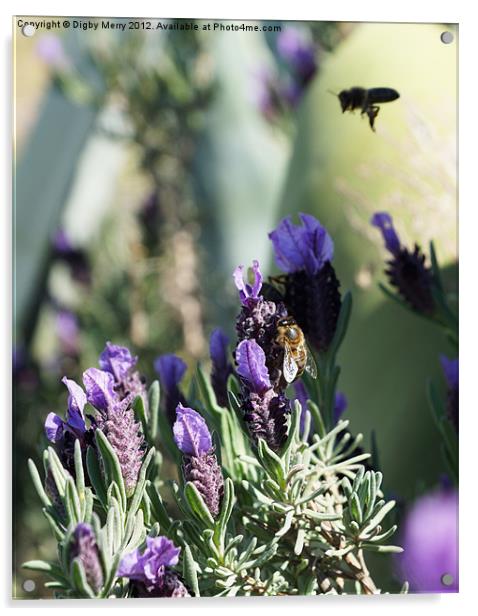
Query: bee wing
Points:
[289, 366]
[310, 365]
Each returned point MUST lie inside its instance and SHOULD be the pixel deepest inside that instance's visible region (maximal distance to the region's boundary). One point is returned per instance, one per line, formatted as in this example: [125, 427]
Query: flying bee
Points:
[366, 100]
[297, 357]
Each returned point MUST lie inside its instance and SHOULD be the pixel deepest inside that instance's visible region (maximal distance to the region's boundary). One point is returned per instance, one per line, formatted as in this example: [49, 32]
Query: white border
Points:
[347, 10]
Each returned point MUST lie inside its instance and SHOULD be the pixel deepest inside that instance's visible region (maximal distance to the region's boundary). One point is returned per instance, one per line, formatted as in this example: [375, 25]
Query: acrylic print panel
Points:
[215, 394]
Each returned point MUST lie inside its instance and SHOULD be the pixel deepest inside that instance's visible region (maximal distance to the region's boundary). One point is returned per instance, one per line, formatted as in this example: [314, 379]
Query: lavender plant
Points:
[418, 287]
[271, 494]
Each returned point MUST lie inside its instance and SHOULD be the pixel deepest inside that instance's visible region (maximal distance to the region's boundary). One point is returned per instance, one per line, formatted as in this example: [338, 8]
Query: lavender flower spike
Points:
[248, 292]
[191, 433]
[384, 222]
[406, 270]
[75, 419]
[311, 289]
[200, 466]
[221, 366]
[295, 49]
[84, 548]
[150, 571]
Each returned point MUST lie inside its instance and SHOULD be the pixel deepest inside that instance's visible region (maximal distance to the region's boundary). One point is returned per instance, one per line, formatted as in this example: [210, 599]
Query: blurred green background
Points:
[148, 165]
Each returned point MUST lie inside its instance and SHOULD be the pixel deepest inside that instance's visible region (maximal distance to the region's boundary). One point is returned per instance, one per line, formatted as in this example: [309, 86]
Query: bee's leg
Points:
[372, 113]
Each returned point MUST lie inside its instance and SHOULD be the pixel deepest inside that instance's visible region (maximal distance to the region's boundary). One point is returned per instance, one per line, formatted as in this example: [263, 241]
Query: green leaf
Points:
[78, 578]
[141, 416]
[79, 473]
[153, 398]
[96, 476]
[225, 513]
[72, 502]
[140, 484]
[52, 569]
[378, 517]
[159, 511]
[111, 465]
[197, 505]
[271, 462]
[37, 482]
[190, 571]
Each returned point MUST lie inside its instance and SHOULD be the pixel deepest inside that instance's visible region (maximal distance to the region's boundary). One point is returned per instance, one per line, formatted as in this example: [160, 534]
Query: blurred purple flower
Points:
[341, 404]
[451, 372]
[384, 222]
[84, 547]
[170, 369]
[251, 366]
[61, 242]
[248, 293]
[406, 271]
[305, 247]
[191, 433]
[221, 366]
[150, 570]
[50, 50]
[299, 52]
[68, 331]
[99, 387]
[430, 542]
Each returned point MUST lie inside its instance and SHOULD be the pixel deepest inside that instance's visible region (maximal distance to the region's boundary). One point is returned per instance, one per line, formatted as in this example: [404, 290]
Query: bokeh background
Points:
[148, 164]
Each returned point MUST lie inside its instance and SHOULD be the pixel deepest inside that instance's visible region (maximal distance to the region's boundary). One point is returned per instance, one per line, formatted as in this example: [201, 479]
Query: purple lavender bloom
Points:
[305, 247]
[50, 49]
[265, 410]
[55, 427]
[294, 47]
[68, 331]
[99, 387]
[341, 404]
[61, 242]
[251, 366]
[249, 294]
[170, 369]
[406, 270]
[85, 549]
[450, 370]
[430, 542]
[258, 320]
[311, 288]
[191, 433]
[200, 466]
[384, 222]
[151, 571]
[221, 366]
[117, 360]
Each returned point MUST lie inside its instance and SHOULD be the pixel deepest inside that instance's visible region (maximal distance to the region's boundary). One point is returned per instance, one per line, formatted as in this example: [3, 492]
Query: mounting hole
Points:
[28, 30]
[29, 585]
[447, 579]
[447, 37]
